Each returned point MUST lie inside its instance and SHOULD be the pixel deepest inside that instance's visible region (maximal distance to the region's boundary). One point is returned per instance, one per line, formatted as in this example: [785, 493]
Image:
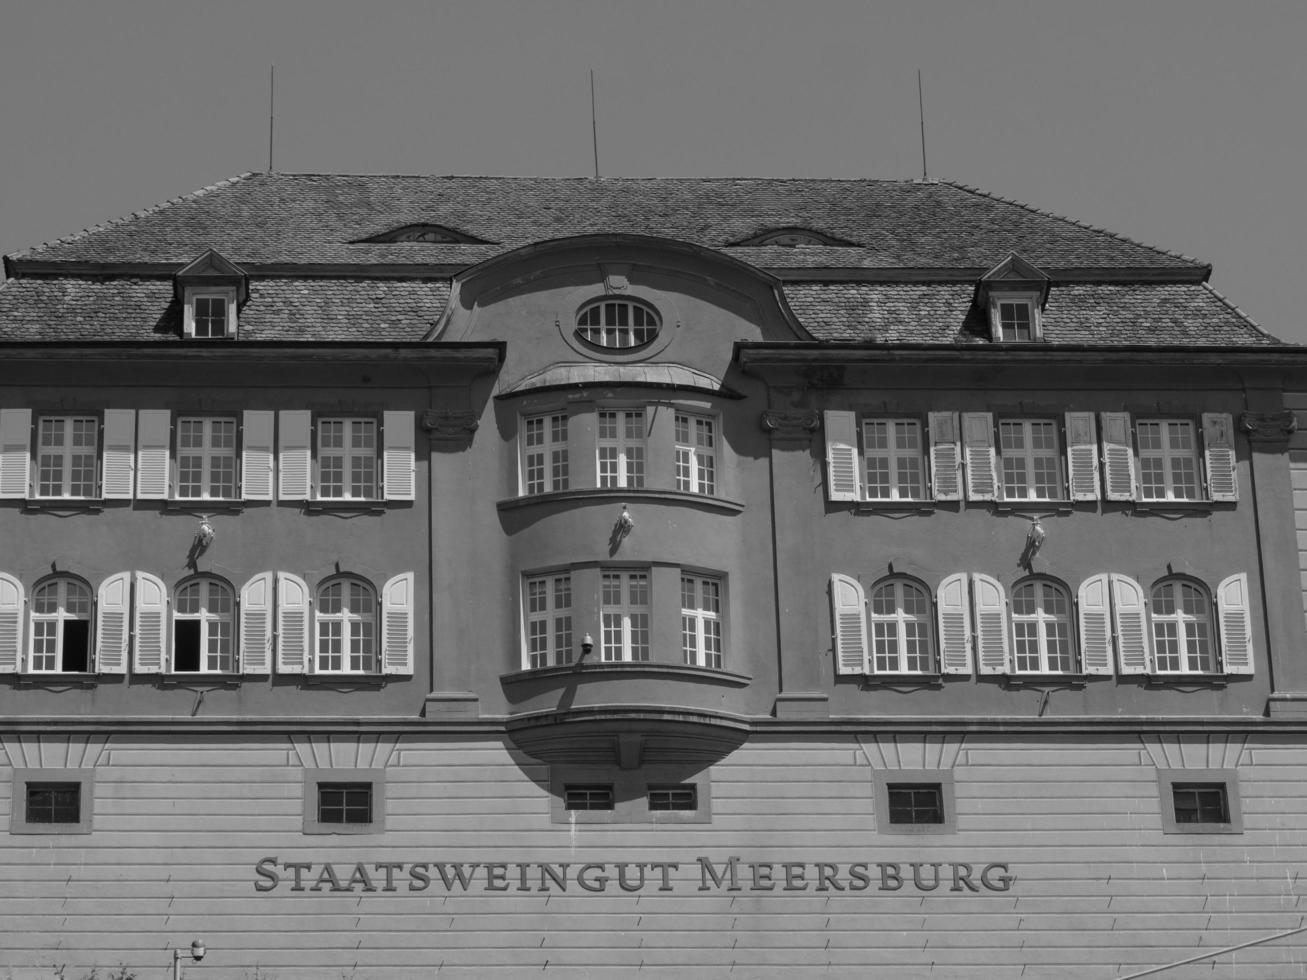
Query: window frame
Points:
[60, 619]
[1040, 620]
[190, 299]
[884, 779]
[315, 779]
[892, 454]
[97, 424]
[1029, 456]
[584, 332]
[1227, 779]
[346, 617]
[551, 616]
[698, 462]
[207, 455]
[628, 474]
[702, 626]
[555, 465]
[206, 619]
[999, 297]
[84, 778]
[628, 613]
[899, 620]
[347, 455]
[1179, 618]
[1166, 455]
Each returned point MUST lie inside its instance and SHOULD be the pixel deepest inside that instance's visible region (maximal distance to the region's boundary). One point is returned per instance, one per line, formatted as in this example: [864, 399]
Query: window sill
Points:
[625, 494]
[1173, 506]
[1181, 680]
[878, 506]
[187, 678]
[707, 674]
[1039, 681]
[61, 680]
[194, 505]
[67, 505]
[1016, 506]
[350, 680]
[346, 506]
[888, 680]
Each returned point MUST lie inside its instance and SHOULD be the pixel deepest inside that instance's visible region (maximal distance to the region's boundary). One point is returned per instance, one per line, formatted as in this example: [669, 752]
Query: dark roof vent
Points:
[424, 234]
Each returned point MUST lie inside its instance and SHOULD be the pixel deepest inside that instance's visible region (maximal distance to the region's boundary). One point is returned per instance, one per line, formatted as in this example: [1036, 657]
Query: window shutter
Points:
[119, 454]
[991, 624]
[256, 455]
[1235, 613]
[15, 452]
[954, 625]
[848, 609]
[1131, 625]
[397, 625]
[293, 454]
[154, 433]
[978, 438]
[1082, 455]
[398, 460]
[945, 459]
[11, 624]
[1118, 457]
[292, 624]
[842, 455]
[1095, 626]
[151, 616]
[256, 625]
[111, 624]
[1218, 453]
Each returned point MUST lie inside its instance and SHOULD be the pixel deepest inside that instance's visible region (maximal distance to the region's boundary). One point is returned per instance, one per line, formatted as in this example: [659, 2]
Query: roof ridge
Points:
[135, 215]
[1237, 311]
[1073, 221]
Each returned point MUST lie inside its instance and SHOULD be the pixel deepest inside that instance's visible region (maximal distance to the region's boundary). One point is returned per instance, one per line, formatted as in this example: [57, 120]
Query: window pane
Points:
[54, 803]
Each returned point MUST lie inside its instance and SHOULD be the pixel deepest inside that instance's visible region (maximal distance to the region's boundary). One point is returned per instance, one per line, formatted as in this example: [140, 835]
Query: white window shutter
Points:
[256, 625]
[398, 456]
[1234, 611]
[848, 611]
[945, 457]
[112, 604]
[1082, 455]
[992, 646]
[294, 440]
[842, 455]
[256, 455]
[151, 625]
[1218, 453]
[397, 617]
[15, 452]
[978, 442]
[11, 624]
[1118, 456]
[153, 439]
[1095, 625]
[1131, 622]
[292, 624]
[954, 613]
[118, 478]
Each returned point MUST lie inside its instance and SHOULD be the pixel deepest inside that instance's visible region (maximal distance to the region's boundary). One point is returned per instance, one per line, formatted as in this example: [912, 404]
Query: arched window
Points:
[617, 324]
[1041, 628]
[347, 627]
[61, 626]
[1182, 628]
[901, 628]
[203, 626]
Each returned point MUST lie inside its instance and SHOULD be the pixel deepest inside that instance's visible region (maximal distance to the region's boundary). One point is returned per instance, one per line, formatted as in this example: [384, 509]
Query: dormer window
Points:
[210, 290]
[617, 324]
[1014, 293]
[209, 314]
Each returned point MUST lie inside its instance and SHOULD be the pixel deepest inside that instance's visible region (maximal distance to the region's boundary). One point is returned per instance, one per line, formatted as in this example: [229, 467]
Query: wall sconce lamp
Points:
[587, 645]
[197, 952]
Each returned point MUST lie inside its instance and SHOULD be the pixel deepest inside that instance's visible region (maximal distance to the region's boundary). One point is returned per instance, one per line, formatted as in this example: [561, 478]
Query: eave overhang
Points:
[482, 356]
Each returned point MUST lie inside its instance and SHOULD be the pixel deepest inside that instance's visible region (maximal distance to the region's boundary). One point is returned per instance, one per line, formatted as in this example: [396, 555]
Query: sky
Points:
[1178, 123]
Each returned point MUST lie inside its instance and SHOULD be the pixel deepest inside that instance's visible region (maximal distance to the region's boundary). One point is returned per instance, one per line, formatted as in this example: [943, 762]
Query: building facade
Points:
[471, 577]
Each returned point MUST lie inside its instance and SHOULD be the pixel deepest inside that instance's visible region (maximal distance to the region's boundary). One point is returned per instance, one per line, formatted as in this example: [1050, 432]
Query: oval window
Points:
[617, 324]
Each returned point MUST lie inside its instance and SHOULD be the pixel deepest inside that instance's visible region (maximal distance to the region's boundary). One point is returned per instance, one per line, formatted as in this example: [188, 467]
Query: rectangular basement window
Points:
[593, 797]
[683, 797]
[344, 803]
[1200, 801]
[915, 803]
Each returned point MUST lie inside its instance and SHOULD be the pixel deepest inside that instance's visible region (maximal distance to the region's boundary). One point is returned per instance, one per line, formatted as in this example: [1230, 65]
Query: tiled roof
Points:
[40, 308]
[308, 218]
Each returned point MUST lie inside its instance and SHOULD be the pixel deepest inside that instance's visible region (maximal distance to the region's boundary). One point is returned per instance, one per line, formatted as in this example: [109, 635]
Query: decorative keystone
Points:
[1268, 426]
